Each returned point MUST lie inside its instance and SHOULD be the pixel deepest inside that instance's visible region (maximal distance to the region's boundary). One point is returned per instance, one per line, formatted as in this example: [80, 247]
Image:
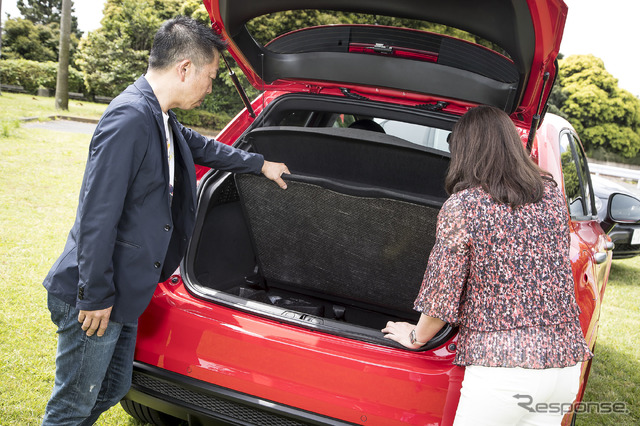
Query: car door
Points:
[590, 247]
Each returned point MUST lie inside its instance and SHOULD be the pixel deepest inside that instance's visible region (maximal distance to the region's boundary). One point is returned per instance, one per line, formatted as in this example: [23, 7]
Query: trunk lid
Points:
[400, 61]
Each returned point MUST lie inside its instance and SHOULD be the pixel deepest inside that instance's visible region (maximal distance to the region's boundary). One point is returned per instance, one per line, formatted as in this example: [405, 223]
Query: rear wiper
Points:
[438, 106]
[349, 94]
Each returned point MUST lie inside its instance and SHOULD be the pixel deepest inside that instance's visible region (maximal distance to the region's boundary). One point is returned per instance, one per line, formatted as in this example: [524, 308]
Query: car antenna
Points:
[536, 118]
[241, 92]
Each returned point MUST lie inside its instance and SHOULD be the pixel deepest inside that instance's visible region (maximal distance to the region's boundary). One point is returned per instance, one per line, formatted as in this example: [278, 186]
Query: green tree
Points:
[22, 39]
[117, 53]
[605, 116]
[196, 10]
[109, 65]
[45, 12]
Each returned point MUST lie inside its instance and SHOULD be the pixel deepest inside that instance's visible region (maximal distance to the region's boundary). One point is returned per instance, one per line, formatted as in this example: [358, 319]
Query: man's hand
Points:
[95, 320]
[274, 171]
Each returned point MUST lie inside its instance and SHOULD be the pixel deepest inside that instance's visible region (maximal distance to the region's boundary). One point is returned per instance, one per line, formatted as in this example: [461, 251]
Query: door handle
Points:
[601, 257]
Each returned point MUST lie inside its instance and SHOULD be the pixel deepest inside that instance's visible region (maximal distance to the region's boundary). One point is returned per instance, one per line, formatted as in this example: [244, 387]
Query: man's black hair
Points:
[184, 38]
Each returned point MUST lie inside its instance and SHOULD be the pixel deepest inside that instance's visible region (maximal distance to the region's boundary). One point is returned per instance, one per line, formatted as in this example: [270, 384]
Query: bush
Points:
[601, 154]
[202, 118]
[32, 75]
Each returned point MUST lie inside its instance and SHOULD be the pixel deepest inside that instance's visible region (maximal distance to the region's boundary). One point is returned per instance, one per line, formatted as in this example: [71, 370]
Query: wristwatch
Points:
[414, 341]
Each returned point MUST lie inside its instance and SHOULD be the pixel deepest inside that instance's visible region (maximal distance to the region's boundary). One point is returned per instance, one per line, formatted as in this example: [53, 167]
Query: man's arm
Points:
[211, 153]
[111, 164]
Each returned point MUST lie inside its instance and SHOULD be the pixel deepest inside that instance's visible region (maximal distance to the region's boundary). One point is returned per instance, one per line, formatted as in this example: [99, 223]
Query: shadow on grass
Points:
[614, 377]
[624, 273]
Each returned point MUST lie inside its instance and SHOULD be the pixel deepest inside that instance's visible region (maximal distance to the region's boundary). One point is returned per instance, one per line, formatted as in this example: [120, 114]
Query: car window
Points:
[418, 134]
[577, 183]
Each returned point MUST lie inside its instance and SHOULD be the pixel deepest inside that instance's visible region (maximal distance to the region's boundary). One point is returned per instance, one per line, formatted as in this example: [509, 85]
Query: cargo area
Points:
[342, 250]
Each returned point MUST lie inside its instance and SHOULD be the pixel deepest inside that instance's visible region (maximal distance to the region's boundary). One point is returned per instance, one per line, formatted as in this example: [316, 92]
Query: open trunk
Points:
[343, 250]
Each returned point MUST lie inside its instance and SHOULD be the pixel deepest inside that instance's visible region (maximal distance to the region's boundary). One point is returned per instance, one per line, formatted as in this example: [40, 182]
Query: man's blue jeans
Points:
[92, 373]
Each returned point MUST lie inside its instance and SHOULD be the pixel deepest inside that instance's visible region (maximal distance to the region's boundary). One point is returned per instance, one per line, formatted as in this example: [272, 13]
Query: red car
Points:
[275, 314]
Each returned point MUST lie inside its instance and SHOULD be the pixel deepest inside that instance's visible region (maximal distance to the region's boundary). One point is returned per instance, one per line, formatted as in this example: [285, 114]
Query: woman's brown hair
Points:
[486, 150]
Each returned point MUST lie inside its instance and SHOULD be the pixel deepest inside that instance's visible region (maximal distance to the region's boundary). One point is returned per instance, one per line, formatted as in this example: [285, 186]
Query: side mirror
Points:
[623, 208]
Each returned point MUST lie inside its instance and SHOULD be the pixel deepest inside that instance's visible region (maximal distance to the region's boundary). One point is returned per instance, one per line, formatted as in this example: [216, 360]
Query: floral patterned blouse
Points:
[504, 276]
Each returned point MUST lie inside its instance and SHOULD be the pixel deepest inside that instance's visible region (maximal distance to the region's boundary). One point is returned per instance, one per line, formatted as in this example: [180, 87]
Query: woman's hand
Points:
[426, 328]
[400, 332]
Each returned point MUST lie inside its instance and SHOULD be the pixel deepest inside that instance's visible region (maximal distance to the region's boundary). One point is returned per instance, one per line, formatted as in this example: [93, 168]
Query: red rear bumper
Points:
[290, 366]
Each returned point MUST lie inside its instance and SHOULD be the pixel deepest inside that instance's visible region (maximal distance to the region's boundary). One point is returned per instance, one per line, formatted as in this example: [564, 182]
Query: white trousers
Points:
[516, 396]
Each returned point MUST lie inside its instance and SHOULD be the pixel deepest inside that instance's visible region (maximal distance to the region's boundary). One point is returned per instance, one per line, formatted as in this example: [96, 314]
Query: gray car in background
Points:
[624, 207]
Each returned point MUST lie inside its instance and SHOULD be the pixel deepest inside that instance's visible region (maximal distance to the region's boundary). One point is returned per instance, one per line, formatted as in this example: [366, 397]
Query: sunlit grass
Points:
[40, 176]
[15, 106]
[615, 374]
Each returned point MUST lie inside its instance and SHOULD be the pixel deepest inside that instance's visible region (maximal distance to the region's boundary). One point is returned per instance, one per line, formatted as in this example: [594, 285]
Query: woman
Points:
[500, 270]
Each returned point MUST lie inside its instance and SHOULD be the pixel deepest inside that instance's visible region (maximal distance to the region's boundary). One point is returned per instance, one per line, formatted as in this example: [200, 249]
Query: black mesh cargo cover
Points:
[370, 250]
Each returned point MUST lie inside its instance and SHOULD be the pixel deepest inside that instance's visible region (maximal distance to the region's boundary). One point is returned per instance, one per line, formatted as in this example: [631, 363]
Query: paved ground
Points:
[633, 188]
[62, 126]
[84, 126]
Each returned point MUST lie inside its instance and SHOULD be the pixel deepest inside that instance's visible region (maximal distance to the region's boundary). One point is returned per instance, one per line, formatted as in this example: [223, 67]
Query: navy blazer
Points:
[128, 235]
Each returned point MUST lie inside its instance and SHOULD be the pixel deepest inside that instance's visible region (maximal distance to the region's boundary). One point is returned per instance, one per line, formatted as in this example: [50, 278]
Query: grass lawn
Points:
[15, 106]
[40, 176]
[615, 373]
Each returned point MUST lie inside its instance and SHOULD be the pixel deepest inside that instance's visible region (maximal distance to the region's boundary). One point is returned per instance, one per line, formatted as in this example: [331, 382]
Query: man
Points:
[135, 215]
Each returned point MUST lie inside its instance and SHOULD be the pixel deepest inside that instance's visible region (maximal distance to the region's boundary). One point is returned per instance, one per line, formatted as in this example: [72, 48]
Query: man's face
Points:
[198, 82]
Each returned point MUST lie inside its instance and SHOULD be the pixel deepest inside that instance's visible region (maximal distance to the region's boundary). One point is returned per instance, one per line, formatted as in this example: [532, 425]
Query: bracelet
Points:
[414, 341]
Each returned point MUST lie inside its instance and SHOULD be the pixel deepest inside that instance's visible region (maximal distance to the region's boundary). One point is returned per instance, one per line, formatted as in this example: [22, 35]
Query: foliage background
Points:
[33, 75]
[606, 117]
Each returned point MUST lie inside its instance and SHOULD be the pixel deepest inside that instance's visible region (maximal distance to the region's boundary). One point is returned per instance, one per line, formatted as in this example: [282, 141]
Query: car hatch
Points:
[526, 35]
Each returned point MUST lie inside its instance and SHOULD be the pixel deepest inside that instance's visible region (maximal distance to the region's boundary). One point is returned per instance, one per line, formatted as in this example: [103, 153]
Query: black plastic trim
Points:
[201, 390]
[505, 22]
[350, 188]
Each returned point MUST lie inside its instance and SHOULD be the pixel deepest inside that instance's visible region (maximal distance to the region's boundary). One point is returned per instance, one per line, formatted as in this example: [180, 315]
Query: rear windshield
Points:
[417, 134]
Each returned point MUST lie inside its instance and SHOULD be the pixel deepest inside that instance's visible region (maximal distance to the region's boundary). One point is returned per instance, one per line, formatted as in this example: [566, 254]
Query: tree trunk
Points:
[0, 38]
[62, 82]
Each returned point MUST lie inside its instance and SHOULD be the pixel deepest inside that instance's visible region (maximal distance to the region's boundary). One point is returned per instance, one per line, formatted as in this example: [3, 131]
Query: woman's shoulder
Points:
[468, 196]
[465, 200]
[552, 191]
